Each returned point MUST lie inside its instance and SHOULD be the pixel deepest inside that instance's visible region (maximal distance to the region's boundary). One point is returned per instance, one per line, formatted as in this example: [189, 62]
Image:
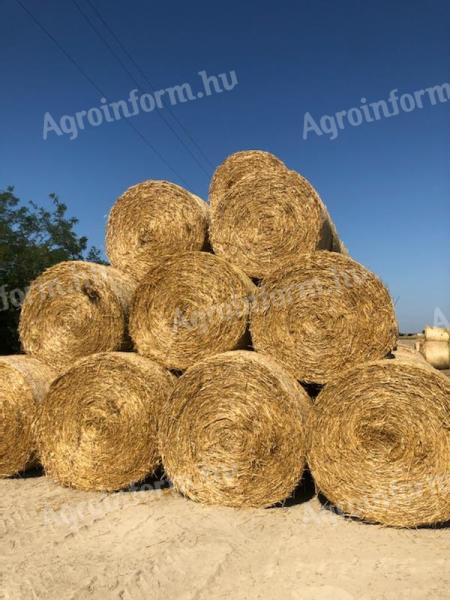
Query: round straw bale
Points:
[151, 220]
[234, 431]
[268, 217]
[24, 382]
[437, 334]
[238, 165]
[320, 313]
[191, 306]
[97, 428]
[380, 443]
[437, 354]
[75, 309]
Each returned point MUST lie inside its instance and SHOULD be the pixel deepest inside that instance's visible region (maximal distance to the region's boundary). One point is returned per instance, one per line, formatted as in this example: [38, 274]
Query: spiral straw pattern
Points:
[234, 432]
[267, 218]
[151, 220]
[380, 443]
[75, 309]
[97, 428]
[191, 306]
[320, 313]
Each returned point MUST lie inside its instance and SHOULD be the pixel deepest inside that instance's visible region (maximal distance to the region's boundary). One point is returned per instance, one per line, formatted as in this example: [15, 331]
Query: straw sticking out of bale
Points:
[380, 443]
[189, 307]
[97, 429]
[237, 166]
[437, 334]
[24, 382]
[436, 353]
[234, 432]
[266, 218]
[151, 220]
[320, 313]
[74, 309]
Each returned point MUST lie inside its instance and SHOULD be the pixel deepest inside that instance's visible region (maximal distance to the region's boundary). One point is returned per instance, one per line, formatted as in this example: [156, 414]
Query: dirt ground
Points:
[63, 544]
[57, 543]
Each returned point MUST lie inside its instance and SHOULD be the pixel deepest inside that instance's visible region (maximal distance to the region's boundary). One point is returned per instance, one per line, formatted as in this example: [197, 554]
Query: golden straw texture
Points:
[151, 220]
[320, 313]
[97, 428]
[234, 432]
[24, 382]
[191, 306]
[75, 309]
[380, 443]
[436, 353]
[266, 218]
[238, 165]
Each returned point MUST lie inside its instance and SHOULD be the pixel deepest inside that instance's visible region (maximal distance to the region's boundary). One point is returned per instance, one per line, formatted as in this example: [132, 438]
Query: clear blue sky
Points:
[386, 184]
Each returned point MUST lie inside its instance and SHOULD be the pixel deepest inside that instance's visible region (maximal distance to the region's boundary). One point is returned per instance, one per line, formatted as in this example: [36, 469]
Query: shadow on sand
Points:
[37, 471]
[304, 492]
[155, 482]
[327, 505]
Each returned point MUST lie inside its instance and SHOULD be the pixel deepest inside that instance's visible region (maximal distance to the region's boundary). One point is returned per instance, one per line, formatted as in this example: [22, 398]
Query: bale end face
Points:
[321, 313]
[266, 218]
[152, 220]
[97, 428]
[74, 309]
[192, 306]
[234, 432]
[380, 443]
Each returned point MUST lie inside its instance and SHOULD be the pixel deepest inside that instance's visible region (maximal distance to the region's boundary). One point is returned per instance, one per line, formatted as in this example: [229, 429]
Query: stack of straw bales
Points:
[198, 346]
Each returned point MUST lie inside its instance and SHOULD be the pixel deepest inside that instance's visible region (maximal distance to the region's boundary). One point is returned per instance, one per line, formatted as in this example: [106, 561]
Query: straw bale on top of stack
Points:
[263, 214]
[152, 220]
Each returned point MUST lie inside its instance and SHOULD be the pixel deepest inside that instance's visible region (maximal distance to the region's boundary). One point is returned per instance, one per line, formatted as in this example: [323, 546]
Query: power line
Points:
[147, 79]
[130, 74]
[97, 88]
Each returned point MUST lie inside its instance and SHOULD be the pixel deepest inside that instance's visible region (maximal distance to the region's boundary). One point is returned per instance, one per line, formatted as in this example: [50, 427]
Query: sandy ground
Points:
[63, 544]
